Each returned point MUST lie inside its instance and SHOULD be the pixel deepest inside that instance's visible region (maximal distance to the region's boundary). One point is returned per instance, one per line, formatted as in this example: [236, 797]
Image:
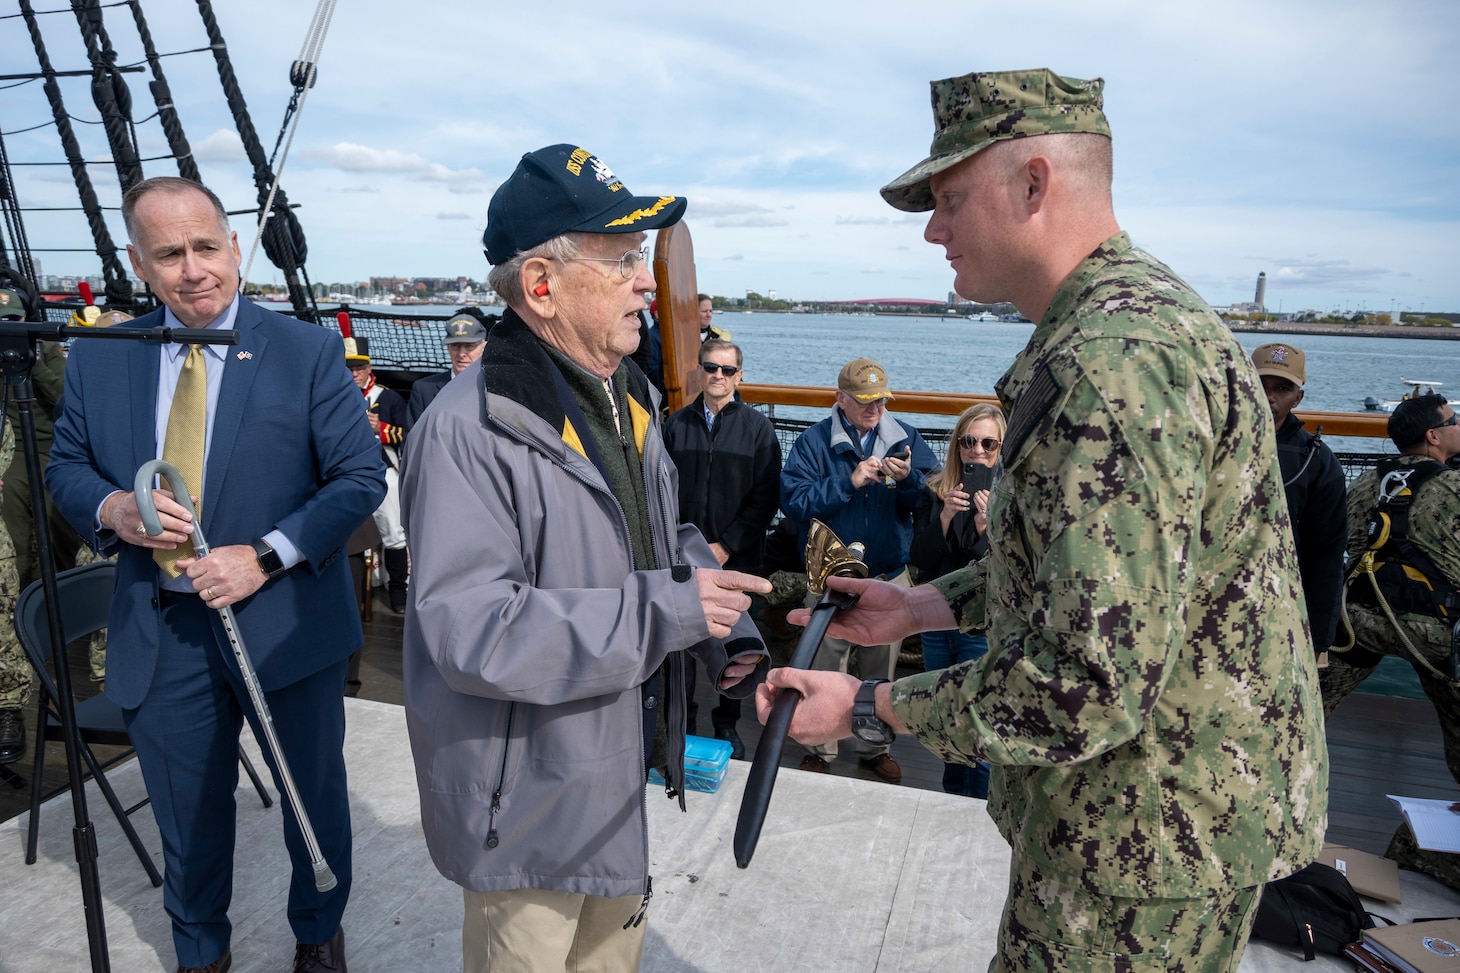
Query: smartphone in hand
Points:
[977, 477]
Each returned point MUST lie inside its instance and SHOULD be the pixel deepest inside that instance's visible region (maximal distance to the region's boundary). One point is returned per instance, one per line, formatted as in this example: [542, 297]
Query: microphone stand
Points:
[826, 555]
[17, 355]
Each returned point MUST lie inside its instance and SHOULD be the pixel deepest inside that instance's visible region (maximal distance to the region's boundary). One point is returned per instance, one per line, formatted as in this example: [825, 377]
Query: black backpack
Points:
[1315, 909]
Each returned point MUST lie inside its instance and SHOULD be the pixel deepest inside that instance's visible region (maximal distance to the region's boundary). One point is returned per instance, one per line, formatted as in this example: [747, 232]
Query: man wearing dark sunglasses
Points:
[729, 463]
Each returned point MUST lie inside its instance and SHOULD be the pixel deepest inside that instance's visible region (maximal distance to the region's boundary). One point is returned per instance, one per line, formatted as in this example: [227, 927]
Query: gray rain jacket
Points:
[530, 632]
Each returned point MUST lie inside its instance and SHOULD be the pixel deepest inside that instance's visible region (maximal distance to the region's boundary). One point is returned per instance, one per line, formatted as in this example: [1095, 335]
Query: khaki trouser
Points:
[537, 931]
[873, 662]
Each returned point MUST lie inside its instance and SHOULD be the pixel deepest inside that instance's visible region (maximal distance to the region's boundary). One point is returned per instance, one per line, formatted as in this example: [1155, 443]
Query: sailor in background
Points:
[386, 411]
[1314, 484]
[1416, 531]
[466, 337]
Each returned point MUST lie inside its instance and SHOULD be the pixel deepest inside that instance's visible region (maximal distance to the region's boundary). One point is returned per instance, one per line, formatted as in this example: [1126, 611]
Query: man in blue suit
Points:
[289, 469]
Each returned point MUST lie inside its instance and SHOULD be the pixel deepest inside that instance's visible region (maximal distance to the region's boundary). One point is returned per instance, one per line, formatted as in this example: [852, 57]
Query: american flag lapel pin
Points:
[242, 355]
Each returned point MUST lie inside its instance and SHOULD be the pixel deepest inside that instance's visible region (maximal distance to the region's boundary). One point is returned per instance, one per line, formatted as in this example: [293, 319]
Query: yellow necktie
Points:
[187, 429]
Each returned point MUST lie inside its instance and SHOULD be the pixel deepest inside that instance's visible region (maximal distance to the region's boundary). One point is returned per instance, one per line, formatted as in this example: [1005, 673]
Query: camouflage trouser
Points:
[97, 650]
[1376, 638]
[788, 589]
[1441, 866]
[15, 674]
[1049, 927]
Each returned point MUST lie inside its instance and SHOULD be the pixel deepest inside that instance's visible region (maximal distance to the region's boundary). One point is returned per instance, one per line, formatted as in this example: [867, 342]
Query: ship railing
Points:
[405, 345]
[932, 413]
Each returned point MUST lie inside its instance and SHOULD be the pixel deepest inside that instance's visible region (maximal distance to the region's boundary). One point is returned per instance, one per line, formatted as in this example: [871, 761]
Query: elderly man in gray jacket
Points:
[554, 590]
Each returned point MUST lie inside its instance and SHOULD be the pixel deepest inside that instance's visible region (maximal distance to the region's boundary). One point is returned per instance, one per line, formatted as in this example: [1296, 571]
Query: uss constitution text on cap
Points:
[567, 189]
[864, 380]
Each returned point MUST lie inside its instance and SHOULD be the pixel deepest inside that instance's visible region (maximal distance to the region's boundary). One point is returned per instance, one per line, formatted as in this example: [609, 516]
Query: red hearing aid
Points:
[541, 289]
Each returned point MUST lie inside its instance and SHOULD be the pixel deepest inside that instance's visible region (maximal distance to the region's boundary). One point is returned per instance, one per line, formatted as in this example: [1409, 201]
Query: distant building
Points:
[1261, 298]
[69, 284]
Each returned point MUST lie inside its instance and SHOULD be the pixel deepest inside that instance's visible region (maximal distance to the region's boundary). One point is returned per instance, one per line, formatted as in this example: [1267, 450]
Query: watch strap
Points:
[269, 561]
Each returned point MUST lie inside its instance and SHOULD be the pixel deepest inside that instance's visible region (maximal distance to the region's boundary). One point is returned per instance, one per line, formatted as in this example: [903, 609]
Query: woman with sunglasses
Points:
[949, 530]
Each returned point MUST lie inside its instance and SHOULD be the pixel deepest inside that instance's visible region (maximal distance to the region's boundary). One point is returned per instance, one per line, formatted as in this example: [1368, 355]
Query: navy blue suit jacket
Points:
[291, 449]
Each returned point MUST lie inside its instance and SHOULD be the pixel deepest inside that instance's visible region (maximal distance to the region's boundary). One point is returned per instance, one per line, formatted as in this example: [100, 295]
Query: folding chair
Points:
[85, 597]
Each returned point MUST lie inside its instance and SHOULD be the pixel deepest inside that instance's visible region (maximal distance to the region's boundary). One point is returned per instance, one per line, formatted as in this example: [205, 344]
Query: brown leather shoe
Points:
[884, 767]
[222, 964]
[815, 764]
[326, 957]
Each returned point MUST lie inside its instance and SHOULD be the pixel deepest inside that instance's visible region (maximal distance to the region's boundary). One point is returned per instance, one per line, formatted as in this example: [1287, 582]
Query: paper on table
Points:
[1435, 826]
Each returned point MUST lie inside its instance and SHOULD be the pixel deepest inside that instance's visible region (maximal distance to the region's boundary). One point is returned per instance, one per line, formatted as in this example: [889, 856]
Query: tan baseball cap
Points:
[1281, 361]
[864, 380]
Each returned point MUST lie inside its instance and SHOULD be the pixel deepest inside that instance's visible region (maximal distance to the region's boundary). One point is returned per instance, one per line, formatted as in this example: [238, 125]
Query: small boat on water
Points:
[1417, 386]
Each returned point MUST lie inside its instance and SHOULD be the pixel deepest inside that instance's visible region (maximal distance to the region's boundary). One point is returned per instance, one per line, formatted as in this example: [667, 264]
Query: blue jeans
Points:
[941, 650]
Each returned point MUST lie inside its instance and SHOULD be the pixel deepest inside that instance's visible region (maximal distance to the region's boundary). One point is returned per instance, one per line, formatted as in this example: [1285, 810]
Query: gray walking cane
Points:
[324, 879]
[826, 555]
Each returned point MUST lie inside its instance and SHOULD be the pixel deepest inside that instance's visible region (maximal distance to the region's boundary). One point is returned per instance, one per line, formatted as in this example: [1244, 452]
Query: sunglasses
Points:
[729, 371]
[1448, 422]
[989, 445]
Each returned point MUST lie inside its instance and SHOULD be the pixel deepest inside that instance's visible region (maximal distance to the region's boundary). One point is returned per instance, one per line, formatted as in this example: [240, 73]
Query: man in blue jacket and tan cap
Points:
[1149, 700]
[544, 655]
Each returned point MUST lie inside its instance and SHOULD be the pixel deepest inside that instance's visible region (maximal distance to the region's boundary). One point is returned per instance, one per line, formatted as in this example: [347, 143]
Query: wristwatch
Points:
[269, 561]
[865, 724]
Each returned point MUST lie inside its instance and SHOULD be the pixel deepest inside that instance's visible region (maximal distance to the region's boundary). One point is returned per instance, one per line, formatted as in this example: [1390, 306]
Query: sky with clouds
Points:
[1315, 140]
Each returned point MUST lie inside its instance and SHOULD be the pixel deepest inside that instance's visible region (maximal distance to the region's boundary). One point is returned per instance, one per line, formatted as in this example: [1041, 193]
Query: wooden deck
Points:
[1378, 745]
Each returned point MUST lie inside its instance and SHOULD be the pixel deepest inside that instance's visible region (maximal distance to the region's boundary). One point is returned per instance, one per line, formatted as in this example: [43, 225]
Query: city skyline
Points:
[1297, 138]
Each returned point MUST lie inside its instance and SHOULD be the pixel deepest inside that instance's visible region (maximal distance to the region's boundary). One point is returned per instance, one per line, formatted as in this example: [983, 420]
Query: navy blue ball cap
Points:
[567, 189]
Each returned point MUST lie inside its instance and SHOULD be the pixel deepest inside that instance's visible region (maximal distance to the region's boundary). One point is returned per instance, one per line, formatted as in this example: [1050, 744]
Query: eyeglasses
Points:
[989, 445]
[1448, 422]
[628, 264]
[729, 371]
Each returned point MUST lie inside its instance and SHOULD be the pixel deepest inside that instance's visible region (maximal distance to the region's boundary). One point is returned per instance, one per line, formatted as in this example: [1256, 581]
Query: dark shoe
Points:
[815, 764]
[222, 964]
[321, 957]
[737, 748]
[885, 767]
[12, 735]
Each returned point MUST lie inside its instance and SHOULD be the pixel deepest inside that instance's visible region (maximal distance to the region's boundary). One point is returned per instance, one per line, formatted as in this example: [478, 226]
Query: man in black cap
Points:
[466, 336]
[555, 590]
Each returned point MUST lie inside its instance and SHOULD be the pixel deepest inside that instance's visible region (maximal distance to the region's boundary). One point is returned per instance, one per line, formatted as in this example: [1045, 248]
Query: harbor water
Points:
[941, 355]
[932, 354]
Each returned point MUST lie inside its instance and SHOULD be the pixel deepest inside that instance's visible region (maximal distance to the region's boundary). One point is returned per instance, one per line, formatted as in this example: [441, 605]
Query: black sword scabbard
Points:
[756, 799]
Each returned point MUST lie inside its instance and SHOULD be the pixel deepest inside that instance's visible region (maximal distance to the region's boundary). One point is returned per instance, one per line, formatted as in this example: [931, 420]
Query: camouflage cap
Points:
[975, 111]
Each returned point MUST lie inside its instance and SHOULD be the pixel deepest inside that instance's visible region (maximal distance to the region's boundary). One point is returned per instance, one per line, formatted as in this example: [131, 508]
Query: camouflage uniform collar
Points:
[1071, 291]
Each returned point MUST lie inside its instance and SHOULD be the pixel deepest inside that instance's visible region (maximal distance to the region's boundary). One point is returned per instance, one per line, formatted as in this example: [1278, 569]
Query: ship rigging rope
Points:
[302, 74]
[62, 10]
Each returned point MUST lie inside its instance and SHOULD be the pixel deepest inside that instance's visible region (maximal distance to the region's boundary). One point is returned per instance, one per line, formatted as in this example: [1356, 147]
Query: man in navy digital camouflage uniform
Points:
[1149, 701]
